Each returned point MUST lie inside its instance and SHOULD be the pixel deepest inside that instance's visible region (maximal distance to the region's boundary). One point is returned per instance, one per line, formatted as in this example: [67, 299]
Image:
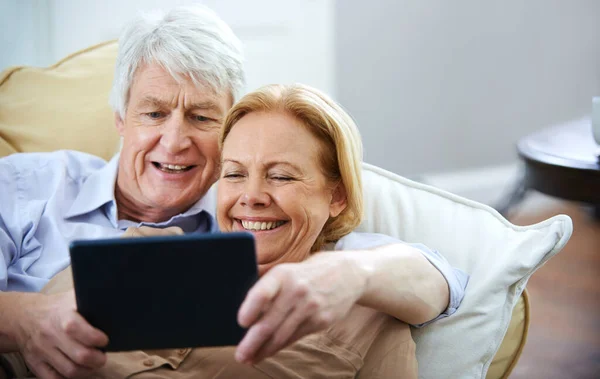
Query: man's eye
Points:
[201, 118]
[154, 115]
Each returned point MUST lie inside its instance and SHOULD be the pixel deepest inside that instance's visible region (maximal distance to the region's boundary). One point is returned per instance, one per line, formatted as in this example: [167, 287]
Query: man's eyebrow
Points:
[149, 100]
[202, 105]
[205, 105]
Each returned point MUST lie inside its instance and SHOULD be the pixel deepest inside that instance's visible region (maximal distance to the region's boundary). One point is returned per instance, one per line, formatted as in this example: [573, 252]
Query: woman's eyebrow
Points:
[228, 160]
[270, 164]
[267, 164]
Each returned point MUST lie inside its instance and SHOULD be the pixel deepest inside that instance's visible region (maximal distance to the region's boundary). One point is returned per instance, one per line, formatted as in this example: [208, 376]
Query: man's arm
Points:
[401, 282]
[8, 306]
[52, 337]
[293, 300]
[47, 330]
[7, 345]
[8, 253]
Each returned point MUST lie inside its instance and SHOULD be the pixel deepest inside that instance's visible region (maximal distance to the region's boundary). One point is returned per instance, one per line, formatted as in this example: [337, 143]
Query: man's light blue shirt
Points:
[48, 200]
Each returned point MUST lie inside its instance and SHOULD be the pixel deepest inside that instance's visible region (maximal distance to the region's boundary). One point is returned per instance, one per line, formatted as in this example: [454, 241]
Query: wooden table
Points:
[561, 161]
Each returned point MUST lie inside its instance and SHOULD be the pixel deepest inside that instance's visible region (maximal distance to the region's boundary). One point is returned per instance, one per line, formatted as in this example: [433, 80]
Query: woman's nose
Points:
[255, 195]
[175, 134]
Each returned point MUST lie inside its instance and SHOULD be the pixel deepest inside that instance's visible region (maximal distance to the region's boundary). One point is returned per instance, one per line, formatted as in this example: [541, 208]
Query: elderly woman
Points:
[291, 176]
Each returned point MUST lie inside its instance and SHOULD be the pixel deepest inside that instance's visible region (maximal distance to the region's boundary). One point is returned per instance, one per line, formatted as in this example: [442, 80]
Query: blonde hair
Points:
[341, 152]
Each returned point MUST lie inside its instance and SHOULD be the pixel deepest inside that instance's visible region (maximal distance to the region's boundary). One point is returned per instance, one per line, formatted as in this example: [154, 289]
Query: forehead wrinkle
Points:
[152, 100]
[208, 105]
[156, 100]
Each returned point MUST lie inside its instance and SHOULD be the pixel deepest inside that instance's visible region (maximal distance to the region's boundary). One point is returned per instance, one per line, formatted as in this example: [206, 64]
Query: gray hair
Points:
[186, 41]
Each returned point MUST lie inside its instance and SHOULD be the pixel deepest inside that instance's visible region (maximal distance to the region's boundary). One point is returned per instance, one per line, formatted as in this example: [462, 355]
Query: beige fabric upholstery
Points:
[61, 107]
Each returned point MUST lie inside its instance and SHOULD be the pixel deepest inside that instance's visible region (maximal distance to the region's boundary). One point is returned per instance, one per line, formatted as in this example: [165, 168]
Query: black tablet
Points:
[164, 292]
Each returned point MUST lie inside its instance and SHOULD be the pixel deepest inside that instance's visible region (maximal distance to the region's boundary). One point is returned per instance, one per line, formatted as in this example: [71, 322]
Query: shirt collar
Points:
[188, 220]
[207, 203]
[95, 193]
[97, 190]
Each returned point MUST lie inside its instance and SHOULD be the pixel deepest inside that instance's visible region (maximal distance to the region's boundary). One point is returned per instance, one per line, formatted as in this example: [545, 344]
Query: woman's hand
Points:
[295, 299]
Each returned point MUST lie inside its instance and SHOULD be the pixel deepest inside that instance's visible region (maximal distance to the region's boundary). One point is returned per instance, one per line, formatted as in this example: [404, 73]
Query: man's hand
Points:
[295, 299]
[55, 340]
[147, 231]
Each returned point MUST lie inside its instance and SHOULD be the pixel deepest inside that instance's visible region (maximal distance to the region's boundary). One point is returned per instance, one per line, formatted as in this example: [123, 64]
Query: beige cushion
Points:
[61, 107]
[499, 257]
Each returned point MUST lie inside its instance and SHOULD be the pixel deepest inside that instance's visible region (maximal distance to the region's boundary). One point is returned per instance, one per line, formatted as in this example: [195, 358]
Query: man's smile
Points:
[172, 168]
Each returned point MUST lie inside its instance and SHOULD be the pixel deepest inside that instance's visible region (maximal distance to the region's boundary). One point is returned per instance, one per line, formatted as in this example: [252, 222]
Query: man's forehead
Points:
[155, 74]
[153, 79]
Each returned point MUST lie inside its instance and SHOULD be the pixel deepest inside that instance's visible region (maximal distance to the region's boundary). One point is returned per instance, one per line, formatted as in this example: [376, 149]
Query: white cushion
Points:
[499, 257]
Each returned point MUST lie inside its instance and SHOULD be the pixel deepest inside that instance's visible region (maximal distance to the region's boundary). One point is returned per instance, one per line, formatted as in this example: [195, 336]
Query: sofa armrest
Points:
[514, 340]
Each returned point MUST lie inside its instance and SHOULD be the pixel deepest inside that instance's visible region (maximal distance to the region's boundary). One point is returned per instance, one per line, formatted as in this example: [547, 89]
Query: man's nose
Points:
[255, 194]
[175, 134]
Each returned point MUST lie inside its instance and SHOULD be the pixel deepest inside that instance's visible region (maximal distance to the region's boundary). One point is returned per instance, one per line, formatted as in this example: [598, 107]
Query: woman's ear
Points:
[339, 200]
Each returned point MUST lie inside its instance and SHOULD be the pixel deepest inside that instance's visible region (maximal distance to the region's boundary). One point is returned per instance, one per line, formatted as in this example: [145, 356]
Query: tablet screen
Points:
[164, 292]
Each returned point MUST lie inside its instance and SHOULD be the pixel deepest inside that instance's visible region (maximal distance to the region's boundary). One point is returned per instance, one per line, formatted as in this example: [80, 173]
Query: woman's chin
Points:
[265, 254]
[263, 269]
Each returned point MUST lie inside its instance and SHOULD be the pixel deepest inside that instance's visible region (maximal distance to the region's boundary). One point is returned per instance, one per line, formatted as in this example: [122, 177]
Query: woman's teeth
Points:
[258, 225]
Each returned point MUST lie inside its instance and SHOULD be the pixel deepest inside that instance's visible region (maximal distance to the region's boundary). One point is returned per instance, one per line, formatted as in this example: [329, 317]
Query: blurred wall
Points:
[443, 85]
[435, 85]
[24, 27]
[284, 41]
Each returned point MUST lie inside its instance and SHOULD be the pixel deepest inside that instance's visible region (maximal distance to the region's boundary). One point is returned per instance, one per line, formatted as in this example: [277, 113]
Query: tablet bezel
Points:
[164, 292]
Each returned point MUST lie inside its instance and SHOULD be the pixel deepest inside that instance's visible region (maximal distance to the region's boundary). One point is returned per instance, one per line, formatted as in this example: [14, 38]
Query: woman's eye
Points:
[281, 178]
[232, 176]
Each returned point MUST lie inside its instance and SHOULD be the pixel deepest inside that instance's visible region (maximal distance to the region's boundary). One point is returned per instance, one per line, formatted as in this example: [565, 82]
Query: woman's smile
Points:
[260, 225]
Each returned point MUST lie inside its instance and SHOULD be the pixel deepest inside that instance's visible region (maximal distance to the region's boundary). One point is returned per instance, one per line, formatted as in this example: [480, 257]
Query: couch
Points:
[65, 106]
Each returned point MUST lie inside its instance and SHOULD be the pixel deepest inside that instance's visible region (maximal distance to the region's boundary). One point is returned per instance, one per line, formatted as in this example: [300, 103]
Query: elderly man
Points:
[176, 77]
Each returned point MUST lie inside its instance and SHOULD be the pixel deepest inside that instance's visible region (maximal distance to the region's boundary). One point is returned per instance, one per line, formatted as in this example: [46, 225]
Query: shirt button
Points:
[148, 363]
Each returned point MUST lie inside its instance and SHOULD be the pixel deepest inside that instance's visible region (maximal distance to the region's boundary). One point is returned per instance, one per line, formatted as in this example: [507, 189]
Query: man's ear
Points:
[339, 200]
[120, 125]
